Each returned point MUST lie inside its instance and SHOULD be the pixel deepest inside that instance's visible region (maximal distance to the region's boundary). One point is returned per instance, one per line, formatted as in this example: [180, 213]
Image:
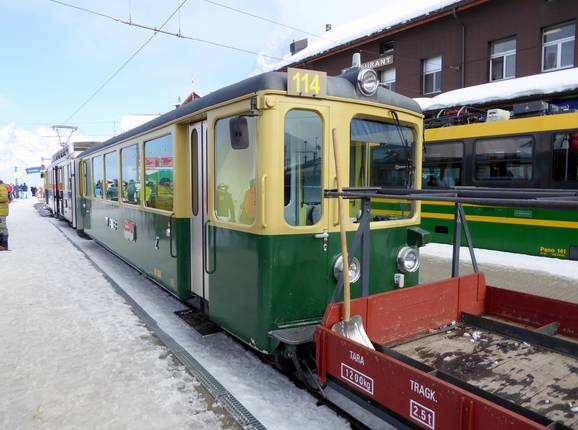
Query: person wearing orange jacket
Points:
[4, 201]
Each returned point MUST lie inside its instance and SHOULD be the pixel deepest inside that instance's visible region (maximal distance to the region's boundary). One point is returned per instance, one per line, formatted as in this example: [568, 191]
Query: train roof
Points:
[530, 124]
[337, 86]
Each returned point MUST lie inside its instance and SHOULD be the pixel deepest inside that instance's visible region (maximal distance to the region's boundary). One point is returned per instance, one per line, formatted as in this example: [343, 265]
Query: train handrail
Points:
[171, 226]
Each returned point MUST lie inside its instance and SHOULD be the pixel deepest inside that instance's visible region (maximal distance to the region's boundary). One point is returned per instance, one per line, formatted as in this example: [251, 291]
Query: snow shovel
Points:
[352, 326]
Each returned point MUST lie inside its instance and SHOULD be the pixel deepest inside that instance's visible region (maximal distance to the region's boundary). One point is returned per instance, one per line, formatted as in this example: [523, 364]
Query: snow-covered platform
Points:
[75, 355]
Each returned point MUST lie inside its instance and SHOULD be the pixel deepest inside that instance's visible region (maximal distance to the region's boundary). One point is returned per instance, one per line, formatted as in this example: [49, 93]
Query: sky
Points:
[55, 57]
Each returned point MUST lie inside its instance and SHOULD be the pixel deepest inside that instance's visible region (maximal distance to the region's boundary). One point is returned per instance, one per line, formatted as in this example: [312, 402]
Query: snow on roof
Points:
[511, 89]
[376, 22]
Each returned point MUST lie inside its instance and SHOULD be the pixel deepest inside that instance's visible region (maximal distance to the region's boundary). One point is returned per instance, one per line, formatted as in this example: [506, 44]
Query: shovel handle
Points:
[345, 256]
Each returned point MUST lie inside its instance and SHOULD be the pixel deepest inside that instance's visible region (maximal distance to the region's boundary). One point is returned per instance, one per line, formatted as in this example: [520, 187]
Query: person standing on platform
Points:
[4, 202]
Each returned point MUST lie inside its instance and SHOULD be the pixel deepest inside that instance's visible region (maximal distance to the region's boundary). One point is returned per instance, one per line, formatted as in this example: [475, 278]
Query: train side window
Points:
[565, 157]
[111, 174]
[381, 154]
[235, 172]
[87, 180]
[442, 164]
[303, 167]
[98, 175]
[131, 174]
[504, 159]
[159, 170]
[195, 172]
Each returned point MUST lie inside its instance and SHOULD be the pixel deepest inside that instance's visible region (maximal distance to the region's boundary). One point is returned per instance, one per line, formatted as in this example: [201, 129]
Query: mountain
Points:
[23, 148]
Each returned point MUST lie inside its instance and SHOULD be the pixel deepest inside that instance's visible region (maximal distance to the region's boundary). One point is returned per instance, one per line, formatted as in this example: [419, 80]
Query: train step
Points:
[199, 322]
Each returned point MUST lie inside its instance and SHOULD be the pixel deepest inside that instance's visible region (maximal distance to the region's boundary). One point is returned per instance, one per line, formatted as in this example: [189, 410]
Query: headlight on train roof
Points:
[354, 269]
[408, 259]
[367, 82]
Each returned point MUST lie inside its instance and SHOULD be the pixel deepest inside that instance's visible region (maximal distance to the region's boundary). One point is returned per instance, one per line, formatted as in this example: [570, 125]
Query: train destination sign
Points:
[306, 83]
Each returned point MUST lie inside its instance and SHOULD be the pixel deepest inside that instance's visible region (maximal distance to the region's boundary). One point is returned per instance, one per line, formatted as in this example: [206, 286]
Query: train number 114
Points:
[308, 83]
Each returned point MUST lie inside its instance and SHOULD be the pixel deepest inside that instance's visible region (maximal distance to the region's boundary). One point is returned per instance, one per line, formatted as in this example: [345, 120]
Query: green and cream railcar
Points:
[221, 201]
[61, 183]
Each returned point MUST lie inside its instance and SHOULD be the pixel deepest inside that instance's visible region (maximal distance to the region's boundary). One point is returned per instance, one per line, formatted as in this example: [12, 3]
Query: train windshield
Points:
[382, 154]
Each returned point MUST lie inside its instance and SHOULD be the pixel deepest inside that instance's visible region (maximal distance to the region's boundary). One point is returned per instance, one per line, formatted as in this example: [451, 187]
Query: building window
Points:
[159, 168]
[558, 47]
[432, 75]
[505, 159]
[386, 48]
[503, 59]
[388, 79]
[235, 171]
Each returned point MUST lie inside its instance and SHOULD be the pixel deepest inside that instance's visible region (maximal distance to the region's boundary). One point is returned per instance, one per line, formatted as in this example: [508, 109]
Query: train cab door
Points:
[199, 208]
[55, 192]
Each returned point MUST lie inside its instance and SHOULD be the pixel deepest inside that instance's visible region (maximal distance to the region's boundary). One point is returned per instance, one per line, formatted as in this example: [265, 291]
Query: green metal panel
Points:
[101, 217]
[261, 283]
[512, 235]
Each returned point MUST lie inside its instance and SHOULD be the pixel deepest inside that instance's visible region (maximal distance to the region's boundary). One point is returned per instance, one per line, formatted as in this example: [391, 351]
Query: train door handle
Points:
[206, 241]
[170, 235]
[324, 236]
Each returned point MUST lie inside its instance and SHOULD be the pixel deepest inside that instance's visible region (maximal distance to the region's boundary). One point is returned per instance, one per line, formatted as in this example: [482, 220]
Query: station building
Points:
[457, 45]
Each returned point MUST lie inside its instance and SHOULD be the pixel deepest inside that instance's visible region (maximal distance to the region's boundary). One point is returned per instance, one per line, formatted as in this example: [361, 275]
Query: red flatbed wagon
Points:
[458, 354]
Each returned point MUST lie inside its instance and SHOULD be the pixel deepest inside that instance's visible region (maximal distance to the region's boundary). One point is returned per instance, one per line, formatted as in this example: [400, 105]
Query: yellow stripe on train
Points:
[506, 220]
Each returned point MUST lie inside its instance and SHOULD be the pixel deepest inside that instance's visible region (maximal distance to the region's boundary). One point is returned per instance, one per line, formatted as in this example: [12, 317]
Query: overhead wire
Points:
[125, 63]
[169, 33]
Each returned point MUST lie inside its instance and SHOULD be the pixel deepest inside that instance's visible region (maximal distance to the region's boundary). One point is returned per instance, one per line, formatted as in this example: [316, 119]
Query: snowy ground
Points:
[75, 356]
[550, 277]
[73, 353]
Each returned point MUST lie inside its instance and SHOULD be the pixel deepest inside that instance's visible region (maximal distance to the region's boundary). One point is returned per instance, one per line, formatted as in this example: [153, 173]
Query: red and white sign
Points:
[422, 415]
[357, 378]
[129, 230]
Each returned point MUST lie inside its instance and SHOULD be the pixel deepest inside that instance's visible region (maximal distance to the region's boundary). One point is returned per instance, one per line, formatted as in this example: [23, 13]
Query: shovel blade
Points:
[353, 330]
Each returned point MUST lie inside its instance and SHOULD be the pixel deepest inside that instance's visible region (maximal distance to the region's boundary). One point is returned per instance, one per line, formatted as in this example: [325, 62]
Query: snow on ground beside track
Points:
[274, 400]
[73, 355]
[553, 266]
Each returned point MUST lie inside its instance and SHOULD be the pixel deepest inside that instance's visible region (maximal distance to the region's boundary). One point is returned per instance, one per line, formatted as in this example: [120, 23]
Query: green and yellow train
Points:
[221, 201]
[539, 152]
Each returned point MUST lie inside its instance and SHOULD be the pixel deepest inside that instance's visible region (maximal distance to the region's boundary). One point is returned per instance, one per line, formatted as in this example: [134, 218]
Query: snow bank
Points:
[552, 266]
[375, 22]
[535, 85]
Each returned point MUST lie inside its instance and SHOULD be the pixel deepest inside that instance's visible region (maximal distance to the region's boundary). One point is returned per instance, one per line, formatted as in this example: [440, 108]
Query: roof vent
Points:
[300, 45]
